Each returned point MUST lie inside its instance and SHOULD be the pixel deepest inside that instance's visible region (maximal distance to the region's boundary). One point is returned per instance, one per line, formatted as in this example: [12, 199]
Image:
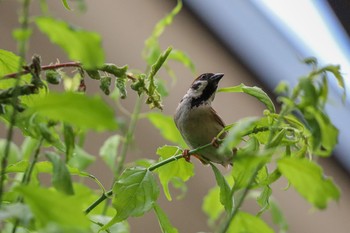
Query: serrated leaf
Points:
[226, 198]
[253, 91]
[164, 221]
[244, 222]
[308, 179]
[47, 206]
[75, 109]
[135, 193]
[61, 179]
[79, 44]
[165, 124]
[179, 169]
[109, 150]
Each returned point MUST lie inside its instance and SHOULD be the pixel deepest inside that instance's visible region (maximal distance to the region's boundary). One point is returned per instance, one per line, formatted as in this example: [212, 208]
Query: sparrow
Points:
[198, 122]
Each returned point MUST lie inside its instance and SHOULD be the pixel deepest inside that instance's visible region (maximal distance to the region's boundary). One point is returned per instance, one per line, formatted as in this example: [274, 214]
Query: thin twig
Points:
[47, 67]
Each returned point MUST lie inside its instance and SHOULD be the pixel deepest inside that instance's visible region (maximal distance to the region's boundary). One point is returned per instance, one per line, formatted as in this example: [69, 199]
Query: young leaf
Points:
[14, 152]
[225, 190]
[61, 179]
[166, 126]
[65, 4]
[47, 206]
[178, 169]
[152, 51]
[308, 179]
[164, 221]
[109, 151]
[76, 109]
[253, 91]
[244, 222]
[135, 193]
[79, 44]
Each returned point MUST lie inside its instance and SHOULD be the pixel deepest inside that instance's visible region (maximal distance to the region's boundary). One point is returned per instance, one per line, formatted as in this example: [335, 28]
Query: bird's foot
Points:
[215, 142]
[186, 155]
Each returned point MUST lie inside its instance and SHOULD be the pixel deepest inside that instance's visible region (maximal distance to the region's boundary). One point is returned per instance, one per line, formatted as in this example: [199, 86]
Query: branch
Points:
[47, 67]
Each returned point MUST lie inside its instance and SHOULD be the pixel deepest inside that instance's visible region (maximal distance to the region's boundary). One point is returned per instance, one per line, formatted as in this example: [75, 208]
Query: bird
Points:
[199, 124]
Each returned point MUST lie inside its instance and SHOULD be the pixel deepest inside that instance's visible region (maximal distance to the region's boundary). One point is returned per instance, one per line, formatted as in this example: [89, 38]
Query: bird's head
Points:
[203, 88]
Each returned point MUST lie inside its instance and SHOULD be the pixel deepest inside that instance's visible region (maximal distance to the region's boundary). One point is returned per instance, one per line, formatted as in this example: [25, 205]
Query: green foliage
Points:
[308, 180]
[47, 206]
[135, 193]
[79, 44]
[56, 125]
[74, 109]
[178, 170]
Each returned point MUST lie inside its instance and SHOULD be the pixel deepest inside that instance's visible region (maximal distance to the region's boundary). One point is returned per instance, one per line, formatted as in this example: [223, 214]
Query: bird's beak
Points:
[216, 77]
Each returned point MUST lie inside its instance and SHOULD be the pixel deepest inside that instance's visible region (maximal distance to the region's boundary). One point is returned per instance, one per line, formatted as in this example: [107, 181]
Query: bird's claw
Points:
[186, 155]
[215, 142]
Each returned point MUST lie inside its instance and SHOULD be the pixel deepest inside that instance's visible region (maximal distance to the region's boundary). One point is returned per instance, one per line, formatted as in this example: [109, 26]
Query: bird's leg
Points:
[215, 142]
[186, 155]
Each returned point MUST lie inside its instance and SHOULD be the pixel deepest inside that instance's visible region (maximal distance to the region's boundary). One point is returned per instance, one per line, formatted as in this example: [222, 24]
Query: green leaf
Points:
[179, 169]
[28, 147]
[244, 222]
[324, 132]
[278, 217]
[308, 179]
[14, 152]
[151, 50]
[235, 135]
[165, 124]
[154, 98]
[47, 206]
[65, 4]
[245, 167]
[79, 44]
[164, 221]
[182, 57]
[226, 198]
[211, 205]
[69, 140]
[81, 159]
[76, 109]
[109, 151]
[9, 62]
[120, 227]
[135, 193]
[256, 92]
[264, 199]
[61, 179]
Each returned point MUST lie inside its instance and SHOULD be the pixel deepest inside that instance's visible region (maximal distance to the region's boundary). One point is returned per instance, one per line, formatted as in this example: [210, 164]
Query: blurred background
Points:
[256, 42]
